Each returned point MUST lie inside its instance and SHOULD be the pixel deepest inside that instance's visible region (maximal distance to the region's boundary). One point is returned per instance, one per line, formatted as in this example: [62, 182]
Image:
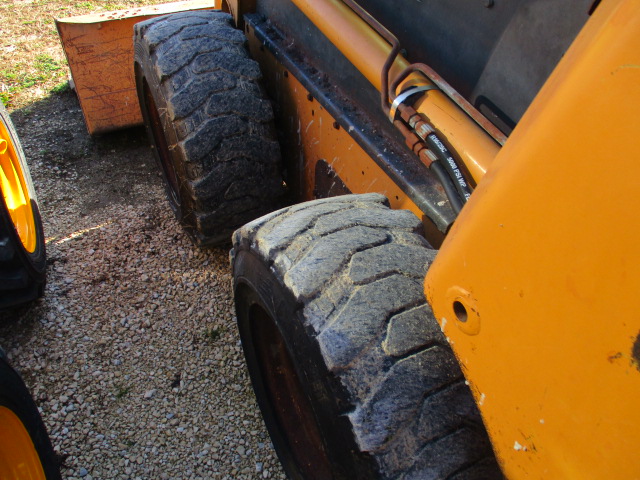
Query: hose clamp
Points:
[400, 99]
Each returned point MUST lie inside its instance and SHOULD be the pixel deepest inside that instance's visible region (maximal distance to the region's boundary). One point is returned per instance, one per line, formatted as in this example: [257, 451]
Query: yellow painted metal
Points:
[18, 457]
[537, 284]
[368, 53]
[15, 191]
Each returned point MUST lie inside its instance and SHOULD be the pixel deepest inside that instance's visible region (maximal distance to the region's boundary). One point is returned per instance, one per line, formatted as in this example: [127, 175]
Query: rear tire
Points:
[25, 448]
[209, 122]
[350, 368]
[22, 244]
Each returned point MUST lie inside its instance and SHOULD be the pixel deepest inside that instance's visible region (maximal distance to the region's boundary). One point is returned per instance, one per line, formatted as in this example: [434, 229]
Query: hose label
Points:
[452, 163]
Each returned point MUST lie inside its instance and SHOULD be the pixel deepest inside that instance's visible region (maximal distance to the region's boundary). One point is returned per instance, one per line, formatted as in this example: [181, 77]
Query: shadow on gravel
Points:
[22, 318]
[103, 168]
[75, 176]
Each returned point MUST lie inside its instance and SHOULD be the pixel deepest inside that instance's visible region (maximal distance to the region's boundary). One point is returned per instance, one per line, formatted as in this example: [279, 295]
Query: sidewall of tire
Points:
[15, 396]
[254, 283]
[34, 262]
[144, 73]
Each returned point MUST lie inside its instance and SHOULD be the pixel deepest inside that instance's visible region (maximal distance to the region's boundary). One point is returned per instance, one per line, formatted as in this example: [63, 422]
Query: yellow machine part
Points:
[537, 284]
[368, 52]
[15, 191]
[18, 457]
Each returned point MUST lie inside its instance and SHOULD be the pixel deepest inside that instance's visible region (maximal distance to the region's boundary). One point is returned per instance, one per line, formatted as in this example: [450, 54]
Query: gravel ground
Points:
[132, 355]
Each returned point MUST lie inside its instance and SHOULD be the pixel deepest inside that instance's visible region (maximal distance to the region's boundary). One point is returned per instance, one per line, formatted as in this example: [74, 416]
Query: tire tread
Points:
[356, 268]
[223, 122]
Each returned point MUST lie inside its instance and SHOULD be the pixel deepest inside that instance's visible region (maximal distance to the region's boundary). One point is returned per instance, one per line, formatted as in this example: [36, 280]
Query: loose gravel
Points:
[132, 355]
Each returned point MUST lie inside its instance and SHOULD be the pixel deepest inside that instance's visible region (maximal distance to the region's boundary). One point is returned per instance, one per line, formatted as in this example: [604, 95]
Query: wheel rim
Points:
[288, 403]
[15, 192]
[160, 142]
[18, 456]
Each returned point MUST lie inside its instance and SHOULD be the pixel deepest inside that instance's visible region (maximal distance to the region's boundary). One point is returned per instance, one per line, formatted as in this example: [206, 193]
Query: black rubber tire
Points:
[22, 273]
[15, 396]
[209, 121]
[331, 312]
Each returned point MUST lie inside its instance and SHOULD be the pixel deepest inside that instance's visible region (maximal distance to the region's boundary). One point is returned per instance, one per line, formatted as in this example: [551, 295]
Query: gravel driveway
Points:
[132, 355]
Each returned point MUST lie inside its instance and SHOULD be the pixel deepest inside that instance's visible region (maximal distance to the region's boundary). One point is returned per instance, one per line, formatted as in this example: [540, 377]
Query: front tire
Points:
[25, 448]
[22, 243]
[350, 368]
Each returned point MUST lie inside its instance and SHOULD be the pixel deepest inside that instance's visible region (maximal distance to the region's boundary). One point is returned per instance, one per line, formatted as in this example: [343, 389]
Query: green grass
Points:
[213, 334]
[32, 62]
[47, 64]
[44, 71]
[61, 88]
[122, 392]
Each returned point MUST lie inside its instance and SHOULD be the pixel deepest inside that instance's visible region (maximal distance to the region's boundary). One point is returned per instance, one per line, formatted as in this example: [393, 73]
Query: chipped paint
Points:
[635, 352]
[482, 398]
[443, 324]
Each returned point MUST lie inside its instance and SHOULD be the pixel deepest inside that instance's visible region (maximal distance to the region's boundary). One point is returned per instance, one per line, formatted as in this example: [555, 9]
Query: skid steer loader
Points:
[456, 295]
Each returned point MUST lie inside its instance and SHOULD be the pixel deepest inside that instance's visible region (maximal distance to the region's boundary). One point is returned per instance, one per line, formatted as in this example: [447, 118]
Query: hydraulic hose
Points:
[369, 52]
[428, 135]
[448, 185]
[451, 166]
[434, 163]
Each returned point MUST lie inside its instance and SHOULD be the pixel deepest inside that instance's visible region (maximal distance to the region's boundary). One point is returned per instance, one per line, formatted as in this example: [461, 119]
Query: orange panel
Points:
[99, 50]
[537, 285]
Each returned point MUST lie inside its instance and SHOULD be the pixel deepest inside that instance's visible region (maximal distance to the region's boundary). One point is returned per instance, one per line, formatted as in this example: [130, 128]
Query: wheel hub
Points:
[18, 456]
[16, 193]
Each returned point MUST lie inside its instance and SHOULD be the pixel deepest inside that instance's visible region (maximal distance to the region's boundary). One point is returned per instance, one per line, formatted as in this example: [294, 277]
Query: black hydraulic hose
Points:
[434, 164]
[449, 188]
[450, 165]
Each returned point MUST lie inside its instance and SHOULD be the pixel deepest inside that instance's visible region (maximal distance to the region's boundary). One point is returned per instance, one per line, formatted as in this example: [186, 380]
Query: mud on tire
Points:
[209, 121]
[331, 311]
